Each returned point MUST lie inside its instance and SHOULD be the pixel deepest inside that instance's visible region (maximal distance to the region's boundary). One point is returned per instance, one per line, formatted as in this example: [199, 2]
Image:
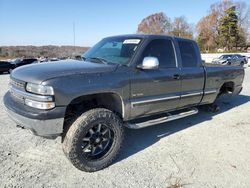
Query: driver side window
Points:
[163, 50]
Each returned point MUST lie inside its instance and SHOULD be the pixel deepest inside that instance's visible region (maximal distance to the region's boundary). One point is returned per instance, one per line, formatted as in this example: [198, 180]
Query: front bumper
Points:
[45, 123]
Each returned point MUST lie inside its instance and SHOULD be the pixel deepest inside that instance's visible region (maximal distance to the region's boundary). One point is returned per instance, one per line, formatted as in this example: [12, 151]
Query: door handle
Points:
[176, 76]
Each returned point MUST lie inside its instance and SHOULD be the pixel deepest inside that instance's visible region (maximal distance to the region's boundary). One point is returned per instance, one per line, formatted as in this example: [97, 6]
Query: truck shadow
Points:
[137, 140]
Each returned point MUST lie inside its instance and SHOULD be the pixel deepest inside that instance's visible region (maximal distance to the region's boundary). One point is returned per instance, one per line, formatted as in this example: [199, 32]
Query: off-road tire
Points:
[79, 128]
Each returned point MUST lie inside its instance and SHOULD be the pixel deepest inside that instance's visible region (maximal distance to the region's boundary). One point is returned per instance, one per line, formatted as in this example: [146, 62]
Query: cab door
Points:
[192, 74]
[156, 90]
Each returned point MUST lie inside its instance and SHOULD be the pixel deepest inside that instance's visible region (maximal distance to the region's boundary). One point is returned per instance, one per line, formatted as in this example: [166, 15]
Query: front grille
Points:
[17, 84]
[16, 95]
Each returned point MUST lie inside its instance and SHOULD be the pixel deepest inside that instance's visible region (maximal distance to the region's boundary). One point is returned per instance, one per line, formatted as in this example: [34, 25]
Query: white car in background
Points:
[231, 59]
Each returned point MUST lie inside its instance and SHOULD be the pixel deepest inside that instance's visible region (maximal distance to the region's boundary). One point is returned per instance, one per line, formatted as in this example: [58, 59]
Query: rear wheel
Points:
[94, 140]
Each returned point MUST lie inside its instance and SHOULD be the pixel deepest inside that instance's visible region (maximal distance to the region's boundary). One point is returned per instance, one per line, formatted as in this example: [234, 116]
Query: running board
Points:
[169, 117]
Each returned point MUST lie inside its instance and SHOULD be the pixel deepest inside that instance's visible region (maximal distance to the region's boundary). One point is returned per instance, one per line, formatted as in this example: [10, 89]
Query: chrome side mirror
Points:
[149, 63]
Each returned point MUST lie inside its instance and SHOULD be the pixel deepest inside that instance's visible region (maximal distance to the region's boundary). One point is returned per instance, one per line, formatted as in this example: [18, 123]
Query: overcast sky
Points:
[50, 22]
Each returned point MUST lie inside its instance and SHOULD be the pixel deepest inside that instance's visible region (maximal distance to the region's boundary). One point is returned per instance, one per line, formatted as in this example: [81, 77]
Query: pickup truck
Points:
[130, 81]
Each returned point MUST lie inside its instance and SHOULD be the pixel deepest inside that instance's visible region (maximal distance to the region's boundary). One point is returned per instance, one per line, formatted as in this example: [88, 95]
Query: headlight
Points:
[40, 105]
[39, 89]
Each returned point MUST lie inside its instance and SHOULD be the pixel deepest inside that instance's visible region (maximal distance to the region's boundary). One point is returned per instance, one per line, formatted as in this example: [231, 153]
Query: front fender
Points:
[71, 87]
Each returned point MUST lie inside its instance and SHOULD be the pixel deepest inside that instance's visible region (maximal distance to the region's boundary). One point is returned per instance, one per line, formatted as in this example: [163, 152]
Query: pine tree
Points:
[228, 29]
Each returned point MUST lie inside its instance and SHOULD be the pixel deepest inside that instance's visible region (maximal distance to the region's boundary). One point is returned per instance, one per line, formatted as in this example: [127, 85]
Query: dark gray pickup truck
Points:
[131, 80]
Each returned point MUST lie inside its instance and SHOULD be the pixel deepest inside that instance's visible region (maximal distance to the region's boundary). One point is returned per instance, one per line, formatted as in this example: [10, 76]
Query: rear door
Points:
[157, 90]
[192, 74]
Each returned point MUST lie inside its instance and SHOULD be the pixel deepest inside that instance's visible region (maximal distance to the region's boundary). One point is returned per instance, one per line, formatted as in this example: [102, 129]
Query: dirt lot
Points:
[205, 150]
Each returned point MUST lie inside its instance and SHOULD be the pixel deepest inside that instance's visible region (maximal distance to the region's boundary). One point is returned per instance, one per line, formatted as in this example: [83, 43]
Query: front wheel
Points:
[94, 140]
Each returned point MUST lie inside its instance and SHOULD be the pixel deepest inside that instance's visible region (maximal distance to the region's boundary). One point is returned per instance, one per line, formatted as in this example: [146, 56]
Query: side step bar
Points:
[169, 117]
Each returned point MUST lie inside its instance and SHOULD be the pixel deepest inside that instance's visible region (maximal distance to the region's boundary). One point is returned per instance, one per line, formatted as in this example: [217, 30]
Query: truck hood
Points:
[37, 73]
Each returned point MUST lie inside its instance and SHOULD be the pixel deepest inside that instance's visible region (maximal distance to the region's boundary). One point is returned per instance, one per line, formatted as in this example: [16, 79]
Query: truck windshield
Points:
[115, 50]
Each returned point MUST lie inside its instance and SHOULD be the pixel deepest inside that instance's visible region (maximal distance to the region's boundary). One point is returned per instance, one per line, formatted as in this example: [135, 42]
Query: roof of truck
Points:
[147, 36]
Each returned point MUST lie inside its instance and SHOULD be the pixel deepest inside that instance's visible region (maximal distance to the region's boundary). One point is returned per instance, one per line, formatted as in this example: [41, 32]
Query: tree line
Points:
[224, 28]
[40, 51]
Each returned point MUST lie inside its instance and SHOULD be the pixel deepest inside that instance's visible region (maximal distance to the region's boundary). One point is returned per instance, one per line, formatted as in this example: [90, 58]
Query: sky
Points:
[50, 22]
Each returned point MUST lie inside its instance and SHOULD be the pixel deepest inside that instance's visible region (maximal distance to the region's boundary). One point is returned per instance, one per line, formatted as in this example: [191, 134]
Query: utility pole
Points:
[74, 33]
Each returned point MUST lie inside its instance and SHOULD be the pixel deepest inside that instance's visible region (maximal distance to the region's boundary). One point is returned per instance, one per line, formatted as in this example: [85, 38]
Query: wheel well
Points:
[111, 101]
[227, 87]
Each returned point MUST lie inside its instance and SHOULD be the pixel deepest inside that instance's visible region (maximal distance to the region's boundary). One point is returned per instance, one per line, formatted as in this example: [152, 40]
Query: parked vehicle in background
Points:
[246, 59]
[21, 62]
[78, 57]
[53, 59]
[5, 66]
[231, 59]
[44, 60]
[132, 80]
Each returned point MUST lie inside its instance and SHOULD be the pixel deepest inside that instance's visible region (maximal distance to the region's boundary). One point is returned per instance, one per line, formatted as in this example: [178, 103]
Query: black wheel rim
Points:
[97, 141]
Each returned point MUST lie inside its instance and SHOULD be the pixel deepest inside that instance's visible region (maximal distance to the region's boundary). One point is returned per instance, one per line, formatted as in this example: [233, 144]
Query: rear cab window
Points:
[188, 53]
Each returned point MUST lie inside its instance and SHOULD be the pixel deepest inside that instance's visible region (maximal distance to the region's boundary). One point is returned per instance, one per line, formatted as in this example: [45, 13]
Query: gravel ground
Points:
[205, 150]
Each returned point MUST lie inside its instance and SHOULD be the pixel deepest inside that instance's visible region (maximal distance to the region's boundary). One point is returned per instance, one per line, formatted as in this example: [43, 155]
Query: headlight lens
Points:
[40, 105]
[39, 89]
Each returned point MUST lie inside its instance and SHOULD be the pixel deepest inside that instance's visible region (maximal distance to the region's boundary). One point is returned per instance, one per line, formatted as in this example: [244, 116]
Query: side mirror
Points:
[149, 63]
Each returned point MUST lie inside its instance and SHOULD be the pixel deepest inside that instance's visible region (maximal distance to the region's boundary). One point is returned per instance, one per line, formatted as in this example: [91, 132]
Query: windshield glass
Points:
[16, 61]
[117, 50]
[225, 56]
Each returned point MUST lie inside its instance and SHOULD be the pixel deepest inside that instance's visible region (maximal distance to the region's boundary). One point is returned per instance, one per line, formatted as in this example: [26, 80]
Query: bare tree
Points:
[207, 29]
[220, 7]
[181, 28]
[157, 23]
[243, 13]
[208, 26]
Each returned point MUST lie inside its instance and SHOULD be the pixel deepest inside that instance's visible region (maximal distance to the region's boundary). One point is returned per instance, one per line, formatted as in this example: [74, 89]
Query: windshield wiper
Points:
[99, 59]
